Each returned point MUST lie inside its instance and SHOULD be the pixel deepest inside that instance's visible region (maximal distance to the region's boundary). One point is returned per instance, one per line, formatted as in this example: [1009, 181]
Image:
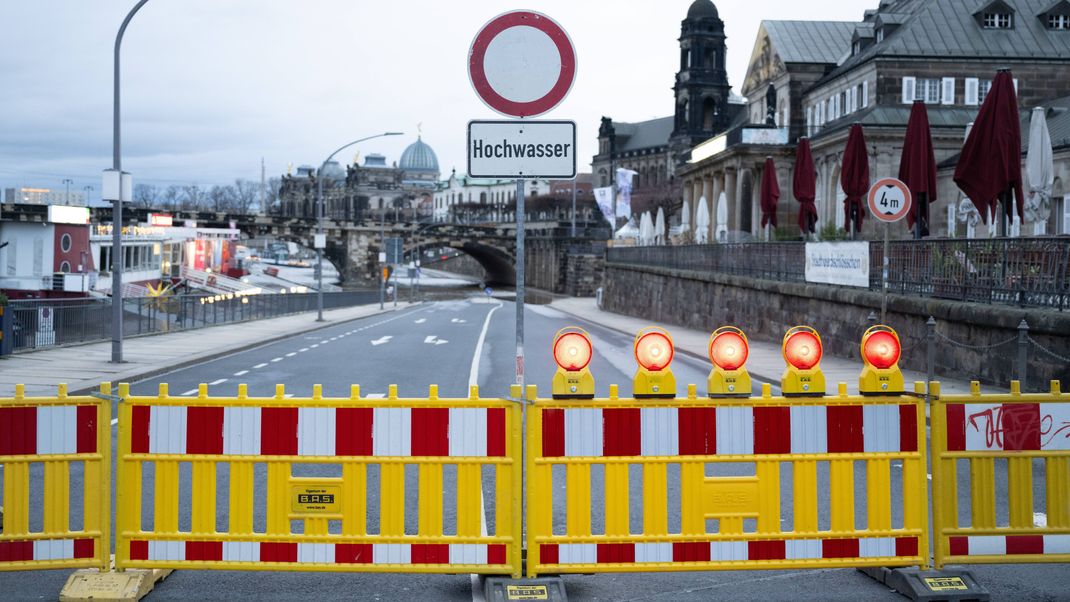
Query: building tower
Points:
[701, 89]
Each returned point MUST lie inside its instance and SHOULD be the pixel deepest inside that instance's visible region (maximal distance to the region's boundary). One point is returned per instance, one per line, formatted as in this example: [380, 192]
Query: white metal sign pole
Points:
[520, 284]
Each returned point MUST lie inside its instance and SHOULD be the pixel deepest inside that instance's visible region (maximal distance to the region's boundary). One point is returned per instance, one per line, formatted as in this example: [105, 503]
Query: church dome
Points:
[419, 157]
[701, 8]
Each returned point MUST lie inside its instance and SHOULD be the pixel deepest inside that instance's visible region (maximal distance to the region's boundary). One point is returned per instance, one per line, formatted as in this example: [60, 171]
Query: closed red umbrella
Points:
[990, 166]
[770, 193]
[804, 187]
[917, 168]
[854, 178]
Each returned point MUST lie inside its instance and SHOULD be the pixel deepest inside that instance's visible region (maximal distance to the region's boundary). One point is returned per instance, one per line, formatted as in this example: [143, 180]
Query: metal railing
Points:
[1029, 272]
[43, 323]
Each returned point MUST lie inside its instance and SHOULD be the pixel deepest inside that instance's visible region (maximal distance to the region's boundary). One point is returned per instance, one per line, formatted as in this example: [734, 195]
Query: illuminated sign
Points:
[105, 230]
[64, 214]
[160, 219]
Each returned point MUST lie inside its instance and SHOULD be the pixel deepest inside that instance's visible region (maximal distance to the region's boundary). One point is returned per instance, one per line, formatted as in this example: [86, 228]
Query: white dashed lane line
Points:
[258, 366]
[316, 345]
[375, 395]
[291, 354]
[218, 381]
[277, 359]
[190, 392]
[302, 350]
[241, 373]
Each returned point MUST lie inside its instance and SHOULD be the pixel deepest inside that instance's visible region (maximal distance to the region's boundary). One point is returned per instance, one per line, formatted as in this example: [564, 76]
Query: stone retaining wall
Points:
[766, 309]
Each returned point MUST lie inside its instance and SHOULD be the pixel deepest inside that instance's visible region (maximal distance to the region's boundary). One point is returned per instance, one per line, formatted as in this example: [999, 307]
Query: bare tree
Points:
[170, 197]
[145, 195]
[193, 197]
[271, 195]
[221, 198]
[245, 196]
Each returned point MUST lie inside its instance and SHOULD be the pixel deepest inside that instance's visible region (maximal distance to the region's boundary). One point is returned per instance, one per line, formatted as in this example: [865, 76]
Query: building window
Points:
[982, 89]
[65, 243]
[997, 20]
[880, 35]
[928, 91]
[65, 267]
[1058, 21]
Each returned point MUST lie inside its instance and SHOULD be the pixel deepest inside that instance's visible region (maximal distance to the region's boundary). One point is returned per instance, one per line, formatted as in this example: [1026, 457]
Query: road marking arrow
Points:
[458, 321]
[434, 340]
[381, 340]
[421, 320]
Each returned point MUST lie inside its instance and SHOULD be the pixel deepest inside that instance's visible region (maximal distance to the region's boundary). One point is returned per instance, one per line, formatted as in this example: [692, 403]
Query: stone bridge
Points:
[354, 248]
[555, 261]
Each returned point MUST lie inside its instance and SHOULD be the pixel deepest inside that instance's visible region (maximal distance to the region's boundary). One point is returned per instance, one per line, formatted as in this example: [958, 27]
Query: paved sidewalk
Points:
[84, 367]
[765, 362]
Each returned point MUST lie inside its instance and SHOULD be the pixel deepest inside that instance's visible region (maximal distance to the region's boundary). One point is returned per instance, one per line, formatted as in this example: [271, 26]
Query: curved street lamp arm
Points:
[116, 157]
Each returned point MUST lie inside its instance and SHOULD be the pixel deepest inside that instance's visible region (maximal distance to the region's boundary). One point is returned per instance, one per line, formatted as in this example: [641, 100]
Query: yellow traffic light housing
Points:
[802, 352]
[573, 352]
[653, 353]
[880, 350]
[728, 350]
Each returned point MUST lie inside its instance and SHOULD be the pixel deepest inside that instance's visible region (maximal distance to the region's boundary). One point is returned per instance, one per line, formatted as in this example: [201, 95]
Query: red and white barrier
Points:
[320, 553]
[1008, 427]
[47, 430]
[729, 430]
[319, 431]
[726, 551]
[45, 549]
[1001, 545]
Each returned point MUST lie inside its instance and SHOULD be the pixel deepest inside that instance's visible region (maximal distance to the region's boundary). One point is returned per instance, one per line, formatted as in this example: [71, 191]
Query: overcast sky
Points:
[211, 86]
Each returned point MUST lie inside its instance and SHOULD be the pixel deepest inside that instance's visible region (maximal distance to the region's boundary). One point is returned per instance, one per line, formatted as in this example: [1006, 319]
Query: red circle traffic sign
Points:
[522, 63]
[889, 199]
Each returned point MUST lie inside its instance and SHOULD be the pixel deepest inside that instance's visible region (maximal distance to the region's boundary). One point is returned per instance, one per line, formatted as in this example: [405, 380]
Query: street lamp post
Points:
[319, 218]
[117, 205]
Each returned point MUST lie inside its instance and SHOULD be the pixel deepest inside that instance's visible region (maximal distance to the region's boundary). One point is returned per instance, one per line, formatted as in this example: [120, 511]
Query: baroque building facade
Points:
[370, 190]
[703, 105]
[815, 79]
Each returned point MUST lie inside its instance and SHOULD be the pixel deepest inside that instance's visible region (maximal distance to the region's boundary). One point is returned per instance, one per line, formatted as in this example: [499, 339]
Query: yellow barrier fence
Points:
[319, 484]
[1001, 447]
[58, 443]
[836, 481]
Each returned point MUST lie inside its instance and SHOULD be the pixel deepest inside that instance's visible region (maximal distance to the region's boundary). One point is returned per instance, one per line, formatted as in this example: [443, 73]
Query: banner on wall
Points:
[842, 263]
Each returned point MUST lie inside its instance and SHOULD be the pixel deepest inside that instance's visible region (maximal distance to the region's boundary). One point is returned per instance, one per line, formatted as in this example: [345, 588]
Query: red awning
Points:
[770, 193]
[804, 186]
[917, 164]
[991, 159]
[854, 179]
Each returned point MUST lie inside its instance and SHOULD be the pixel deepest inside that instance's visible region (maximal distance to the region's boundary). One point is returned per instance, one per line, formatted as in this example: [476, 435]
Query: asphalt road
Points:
[406, 349]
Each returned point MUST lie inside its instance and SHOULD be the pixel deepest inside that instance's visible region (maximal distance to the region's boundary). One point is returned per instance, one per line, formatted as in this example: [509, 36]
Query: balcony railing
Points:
[1028, 272]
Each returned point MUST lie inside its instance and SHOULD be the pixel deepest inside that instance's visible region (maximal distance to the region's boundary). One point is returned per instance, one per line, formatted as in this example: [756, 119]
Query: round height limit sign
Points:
[889, 200]
[522, 64]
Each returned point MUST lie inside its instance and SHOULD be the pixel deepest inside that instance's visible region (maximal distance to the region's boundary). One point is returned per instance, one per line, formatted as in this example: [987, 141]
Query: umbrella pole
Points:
[917, 215]
[884, 277]
[1004, 199]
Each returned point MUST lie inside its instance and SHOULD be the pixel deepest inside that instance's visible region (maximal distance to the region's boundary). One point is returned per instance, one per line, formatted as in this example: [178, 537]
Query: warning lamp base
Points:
[573, 385]
[874, 381]
[729, 383]
[654, 385]
[802, 383]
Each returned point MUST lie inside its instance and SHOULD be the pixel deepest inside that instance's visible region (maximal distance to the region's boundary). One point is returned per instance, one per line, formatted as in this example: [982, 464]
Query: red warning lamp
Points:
[802, 348]
[880, 352]
[881, 349]
[802, 351]
[572, 352]
[728, 348]
[728, 351]
[654, 352]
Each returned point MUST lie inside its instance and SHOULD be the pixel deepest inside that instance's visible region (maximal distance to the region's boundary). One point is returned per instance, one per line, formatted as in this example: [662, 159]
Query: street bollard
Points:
[1023, 353]
[930, 353]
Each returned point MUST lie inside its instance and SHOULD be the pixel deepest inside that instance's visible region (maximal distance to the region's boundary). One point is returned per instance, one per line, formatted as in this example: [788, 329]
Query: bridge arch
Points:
[499, 264]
